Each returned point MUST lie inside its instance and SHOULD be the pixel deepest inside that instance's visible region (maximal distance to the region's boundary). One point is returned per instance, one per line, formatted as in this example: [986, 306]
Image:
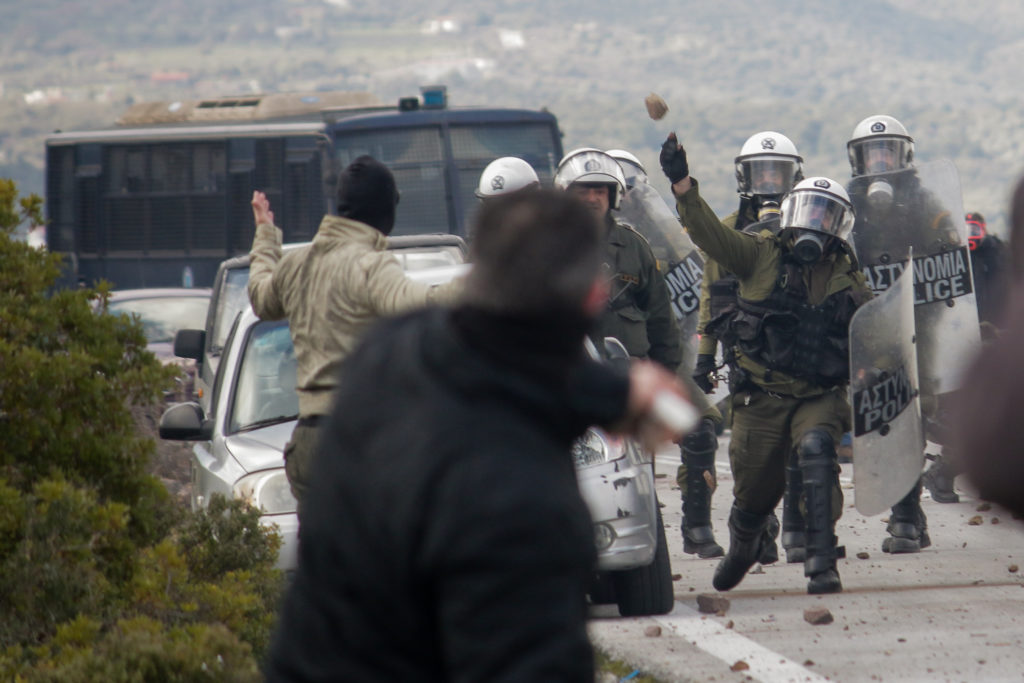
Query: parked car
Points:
[616, 479]
[241, 434]
[162, 312]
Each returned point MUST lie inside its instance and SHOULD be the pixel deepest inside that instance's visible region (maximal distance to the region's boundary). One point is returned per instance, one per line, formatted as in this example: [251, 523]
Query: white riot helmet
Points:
[879, 143]
[816, 209]
[504, 176]
[592, 166]
[768, 165]
[631, 167]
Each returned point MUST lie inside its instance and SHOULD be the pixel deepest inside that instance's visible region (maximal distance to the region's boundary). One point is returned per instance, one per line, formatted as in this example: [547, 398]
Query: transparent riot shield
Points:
[888, 439]
[921, 208]
[644, 209]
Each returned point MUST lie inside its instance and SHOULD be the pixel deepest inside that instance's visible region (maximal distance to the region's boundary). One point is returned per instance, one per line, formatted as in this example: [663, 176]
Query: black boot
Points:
[746, 537]
[769, 549]
[908, 526]
[698, 454]
[938, 479]
[818, 464]
[793, 537]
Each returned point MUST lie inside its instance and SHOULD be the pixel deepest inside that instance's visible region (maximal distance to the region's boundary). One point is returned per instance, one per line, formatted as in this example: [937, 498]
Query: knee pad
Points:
[702, 441]
[815, 444]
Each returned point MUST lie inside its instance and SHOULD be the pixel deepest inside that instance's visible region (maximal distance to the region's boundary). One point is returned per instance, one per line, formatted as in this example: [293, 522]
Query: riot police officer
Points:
[639, 314]
[797, 292]
[767, 167]
[680, 263]
[896, 209]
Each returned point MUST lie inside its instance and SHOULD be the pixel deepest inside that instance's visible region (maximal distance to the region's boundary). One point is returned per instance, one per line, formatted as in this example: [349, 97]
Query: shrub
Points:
[102, 576]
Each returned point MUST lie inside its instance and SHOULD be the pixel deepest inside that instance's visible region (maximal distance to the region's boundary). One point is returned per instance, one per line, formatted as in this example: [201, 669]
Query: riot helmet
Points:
[589, 166]
[879, 143]
[506, 175]
[976, 229]
[768, 165]
[631, 167]
[817, 212]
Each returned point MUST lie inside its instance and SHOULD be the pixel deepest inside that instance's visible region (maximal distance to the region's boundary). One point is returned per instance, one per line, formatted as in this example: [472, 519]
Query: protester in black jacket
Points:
[445, 538]
[990, 265]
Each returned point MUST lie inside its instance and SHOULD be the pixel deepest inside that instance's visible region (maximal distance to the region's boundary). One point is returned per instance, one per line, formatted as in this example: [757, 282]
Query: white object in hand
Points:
[674, 412]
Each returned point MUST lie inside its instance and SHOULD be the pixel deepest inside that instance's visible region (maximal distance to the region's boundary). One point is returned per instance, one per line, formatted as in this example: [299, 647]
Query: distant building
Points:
[511, 40]
[170, 76]
[442, 25]
[44, 96]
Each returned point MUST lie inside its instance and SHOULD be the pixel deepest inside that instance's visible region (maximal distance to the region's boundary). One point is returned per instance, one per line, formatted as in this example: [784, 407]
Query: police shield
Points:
[888, 440]
[921, 208]
[644, 209]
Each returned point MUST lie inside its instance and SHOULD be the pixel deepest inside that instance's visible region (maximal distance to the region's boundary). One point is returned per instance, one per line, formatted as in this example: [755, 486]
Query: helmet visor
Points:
[634, 174]
[817, 211]
[879, 155]
[767, 175]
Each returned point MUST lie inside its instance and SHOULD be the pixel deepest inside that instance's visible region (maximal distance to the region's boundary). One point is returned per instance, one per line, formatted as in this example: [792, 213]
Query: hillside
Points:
[808, 69]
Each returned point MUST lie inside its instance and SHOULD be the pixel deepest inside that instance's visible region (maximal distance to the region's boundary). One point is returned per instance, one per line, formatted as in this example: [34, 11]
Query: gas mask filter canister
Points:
[880, 194]
[768, 209]
[808, 247]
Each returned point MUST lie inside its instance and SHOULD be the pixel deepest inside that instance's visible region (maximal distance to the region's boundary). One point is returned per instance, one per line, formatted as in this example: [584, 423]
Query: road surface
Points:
[954, 612]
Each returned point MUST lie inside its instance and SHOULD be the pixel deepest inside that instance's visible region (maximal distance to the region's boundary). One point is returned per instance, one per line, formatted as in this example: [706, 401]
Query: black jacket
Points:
[990, 266]
[445, 537]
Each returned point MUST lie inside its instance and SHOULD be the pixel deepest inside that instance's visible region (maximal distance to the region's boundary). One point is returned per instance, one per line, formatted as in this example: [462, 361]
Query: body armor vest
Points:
[784, 332]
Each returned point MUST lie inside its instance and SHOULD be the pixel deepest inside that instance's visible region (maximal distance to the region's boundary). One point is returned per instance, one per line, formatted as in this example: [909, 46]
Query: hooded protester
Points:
[331, 291]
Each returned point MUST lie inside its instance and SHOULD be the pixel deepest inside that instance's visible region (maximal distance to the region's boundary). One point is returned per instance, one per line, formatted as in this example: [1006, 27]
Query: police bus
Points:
[162, 198]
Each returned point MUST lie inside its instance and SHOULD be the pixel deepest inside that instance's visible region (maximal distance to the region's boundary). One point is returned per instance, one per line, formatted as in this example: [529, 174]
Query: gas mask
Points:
[880, 194]
[768, 207]
[809, 246]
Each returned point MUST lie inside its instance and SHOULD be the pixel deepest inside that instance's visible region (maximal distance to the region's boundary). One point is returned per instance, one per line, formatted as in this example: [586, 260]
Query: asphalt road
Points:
[954, 612]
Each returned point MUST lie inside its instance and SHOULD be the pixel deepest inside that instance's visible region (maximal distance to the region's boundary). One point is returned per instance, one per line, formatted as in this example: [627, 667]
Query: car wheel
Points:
[646, 590]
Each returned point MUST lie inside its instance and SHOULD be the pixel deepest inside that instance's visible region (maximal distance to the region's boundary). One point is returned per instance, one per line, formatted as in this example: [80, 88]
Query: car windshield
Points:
[163, 316]
[264, 390]
[233, 298]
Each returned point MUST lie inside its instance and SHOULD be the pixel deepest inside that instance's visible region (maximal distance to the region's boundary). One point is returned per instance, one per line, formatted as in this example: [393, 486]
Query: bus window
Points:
[416, 158]
[475, 146]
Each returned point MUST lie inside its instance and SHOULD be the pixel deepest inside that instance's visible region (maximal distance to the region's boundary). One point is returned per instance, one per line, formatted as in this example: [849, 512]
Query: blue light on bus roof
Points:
[434, 96]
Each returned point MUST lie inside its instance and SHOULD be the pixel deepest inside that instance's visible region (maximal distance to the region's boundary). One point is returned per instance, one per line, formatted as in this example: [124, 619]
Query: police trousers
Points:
[765, 429]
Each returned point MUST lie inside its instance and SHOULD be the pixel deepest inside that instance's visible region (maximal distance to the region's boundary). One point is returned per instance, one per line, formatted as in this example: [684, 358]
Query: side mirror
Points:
[185, 422]
[189, 344]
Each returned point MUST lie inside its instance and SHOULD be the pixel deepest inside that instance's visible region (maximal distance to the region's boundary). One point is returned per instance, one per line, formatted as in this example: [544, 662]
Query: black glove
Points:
[703, 371]
[673, 159]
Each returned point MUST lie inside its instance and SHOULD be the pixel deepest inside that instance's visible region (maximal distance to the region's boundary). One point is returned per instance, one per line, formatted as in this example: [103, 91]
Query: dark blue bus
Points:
[164, 197]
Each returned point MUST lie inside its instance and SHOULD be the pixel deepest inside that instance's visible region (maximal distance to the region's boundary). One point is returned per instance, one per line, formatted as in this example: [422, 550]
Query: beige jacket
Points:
[330, 292]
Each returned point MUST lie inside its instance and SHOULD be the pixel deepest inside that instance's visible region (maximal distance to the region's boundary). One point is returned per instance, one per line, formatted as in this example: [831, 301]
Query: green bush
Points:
[102, 575]
[69, 377]
[67, 612]
[64, 550]
[226, 537]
